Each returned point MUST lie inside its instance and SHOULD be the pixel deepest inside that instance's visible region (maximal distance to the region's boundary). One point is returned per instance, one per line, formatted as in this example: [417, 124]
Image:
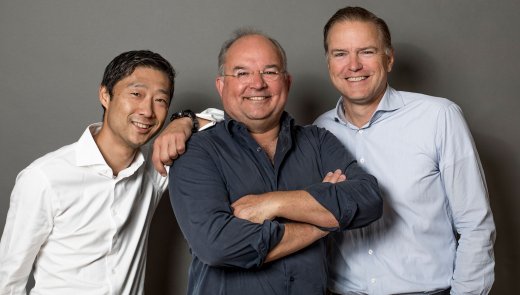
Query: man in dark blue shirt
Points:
[253, 195]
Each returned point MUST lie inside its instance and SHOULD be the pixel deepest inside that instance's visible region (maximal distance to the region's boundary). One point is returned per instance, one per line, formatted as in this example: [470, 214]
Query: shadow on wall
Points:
[196, 101]
[413, 70]
[311, 96]
[497, 166]
[168, 254]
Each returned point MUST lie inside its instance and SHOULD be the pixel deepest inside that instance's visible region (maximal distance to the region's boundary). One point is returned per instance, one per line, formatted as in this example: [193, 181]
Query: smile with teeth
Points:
[141, 125]
[356, 79]
[257, 98]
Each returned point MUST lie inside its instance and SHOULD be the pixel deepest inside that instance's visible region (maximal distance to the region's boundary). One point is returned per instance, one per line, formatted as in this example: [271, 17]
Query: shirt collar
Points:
[390, 102]
[286, 122]
[88, 153]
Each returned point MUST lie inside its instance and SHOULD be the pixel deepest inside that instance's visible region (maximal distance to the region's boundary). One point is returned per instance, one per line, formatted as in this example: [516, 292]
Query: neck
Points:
[117, 156]
[267, 140]
[359, 114]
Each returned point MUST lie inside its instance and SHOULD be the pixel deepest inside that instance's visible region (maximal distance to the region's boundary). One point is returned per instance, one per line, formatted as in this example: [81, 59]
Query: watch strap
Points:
[189, 114]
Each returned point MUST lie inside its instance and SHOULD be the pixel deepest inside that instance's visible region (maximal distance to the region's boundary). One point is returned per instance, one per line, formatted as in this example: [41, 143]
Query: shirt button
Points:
[370, 252]
[291, 279]
[372, 280]
[362, 160]
[258, 149]
[360, 131]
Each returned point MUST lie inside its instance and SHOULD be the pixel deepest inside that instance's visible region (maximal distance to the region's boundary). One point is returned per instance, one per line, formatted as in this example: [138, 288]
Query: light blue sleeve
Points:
[466, 190]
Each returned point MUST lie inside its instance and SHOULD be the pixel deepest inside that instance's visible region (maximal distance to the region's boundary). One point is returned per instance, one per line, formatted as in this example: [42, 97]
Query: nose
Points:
[353, 63]
[146, 107]
[257, 81]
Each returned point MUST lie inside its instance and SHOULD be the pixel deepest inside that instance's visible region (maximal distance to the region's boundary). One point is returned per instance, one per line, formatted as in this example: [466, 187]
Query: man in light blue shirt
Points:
[437, 232]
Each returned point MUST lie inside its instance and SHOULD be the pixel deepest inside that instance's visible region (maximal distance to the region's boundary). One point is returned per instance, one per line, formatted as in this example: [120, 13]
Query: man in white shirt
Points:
[80, 215]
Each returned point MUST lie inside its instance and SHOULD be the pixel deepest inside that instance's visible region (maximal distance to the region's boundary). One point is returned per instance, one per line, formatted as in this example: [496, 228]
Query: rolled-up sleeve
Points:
[201, 204]
[355, 202]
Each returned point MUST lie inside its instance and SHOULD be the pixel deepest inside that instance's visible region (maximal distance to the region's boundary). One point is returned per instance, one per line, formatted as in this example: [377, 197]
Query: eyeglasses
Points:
[247, 77]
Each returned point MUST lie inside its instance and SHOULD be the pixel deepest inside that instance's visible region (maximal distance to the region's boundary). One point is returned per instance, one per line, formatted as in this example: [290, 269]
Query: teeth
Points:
[256, 98]
[355, 79]
[141, 125]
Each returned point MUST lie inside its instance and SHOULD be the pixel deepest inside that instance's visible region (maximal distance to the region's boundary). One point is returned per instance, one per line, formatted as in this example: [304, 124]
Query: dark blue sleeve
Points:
[201, 205]
[355, 202]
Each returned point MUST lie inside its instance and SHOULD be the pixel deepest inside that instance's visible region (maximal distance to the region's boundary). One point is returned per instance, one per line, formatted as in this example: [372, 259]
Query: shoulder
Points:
[424, 100]
[39, 177]
[428, 109]
[205, 144]
[316, 135]
[311, 130]
[326, 118]
[208, 137]
[64, 156]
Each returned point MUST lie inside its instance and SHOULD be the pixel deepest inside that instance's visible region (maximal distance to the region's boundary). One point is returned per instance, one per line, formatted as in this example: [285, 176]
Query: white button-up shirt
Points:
[84, 229]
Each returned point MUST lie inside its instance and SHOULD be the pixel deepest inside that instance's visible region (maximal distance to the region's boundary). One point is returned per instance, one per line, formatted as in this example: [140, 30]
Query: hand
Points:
[255, 208]
[335, 177]
[171, 143]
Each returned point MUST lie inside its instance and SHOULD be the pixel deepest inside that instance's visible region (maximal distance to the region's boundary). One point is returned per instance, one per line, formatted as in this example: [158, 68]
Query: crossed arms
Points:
[246, 230]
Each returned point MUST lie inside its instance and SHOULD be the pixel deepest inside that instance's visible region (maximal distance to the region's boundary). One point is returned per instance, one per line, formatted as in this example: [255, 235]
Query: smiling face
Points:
[357, 61]
[137, 109]
[258, 103]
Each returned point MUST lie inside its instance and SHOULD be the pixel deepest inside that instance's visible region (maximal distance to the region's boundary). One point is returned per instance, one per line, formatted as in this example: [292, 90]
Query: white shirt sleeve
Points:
[211, 114]
[28, 224]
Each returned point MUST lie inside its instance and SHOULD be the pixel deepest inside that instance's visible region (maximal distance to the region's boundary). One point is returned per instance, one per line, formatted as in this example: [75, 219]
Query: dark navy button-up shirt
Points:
[225, 163]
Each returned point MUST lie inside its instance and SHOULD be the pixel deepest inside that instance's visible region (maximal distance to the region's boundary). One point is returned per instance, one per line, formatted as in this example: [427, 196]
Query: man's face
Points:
[357, 62]
[257, 103]
[137, 109]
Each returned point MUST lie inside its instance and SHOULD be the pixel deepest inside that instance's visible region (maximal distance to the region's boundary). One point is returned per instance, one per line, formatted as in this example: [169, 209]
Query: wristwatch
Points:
[189, 114]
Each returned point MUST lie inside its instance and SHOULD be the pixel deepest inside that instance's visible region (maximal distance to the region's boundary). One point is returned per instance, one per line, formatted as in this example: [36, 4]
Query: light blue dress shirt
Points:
[421, 151]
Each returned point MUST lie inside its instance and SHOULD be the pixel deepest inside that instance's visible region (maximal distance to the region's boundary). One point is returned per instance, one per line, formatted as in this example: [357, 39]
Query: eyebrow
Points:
[357, 49]
[140, 85]
[272, 66]
[236, 68]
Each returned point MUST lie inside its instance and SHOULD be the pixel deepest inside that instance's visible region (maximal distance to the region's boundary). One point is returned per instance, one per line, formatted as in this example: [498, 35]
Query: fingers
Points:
[342, 177]
[335, 177]
[156, 159]
[166, 149]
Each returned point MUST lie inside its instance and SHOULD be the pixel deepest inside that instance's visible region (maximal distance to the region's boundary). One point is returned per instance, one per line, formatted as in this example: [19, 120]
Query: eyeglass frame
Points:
[250, 75]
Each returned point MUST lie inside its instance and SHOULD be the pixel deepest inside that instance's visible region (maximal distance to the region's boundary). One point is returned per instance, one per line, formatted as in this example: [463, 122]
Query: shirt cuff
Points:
[211, 114]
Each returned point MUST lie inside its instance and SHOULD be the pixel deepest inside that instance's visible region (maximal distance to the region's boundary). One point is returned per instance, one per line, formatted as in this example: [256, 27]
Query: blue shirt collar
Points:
[390, 102]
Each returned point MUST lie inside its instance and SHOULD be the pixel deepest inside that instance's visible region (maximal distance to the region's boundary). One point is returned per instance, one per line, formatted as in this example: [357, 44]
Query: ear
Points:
[104, 96]
[219, 83]
[390, 57]
[289, 81]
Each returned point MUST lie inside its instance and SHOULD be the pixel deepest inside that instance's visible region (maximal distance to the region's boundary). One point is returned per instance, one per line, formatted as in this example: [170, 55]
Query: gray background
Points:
[53, 53]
